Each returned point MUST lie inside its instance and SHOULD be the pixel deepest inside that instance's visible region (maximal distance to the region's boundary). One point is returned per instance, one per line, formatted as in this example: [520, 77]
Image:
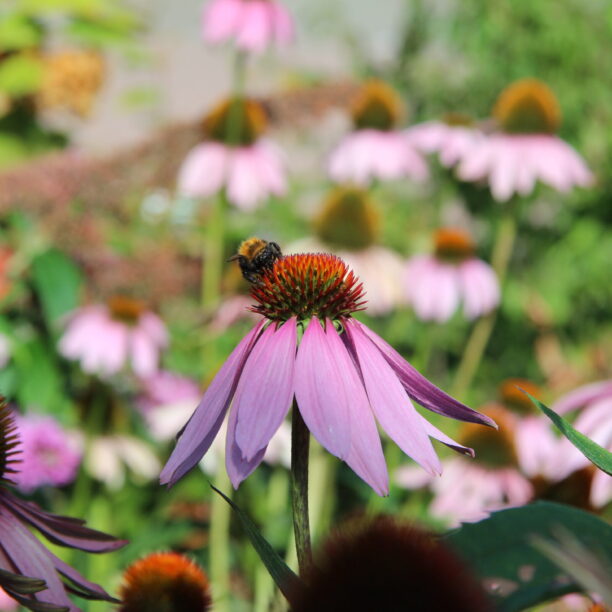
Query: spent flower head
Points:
[344, 379]
[381, 563]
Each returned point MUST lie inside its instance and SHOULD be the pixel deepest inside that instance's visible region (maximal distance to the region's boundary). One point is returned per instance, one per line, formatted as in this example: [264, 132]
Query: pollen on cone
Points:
[308, 285]
[165, 582]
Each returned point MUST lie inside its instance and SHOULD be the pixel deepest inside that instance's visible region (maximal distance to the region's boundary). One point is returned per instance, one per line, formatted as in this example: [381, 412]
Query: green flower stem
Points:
[300, 446]
[212, 255]
[219, 542]
[479, 338]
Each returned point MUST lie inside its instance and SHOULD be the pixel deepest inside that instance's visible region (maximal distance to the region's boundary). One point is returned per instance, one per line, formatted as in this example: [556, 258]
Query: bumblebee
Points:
[255, 256]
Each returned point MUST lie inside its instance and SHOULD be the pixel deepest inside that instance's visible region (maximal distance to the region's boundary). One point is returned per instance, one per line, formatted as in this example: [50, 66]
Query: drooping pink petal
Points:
[479, 286]
[255, 31]
[284, 30]
[434, 432]
[238, 468]
[245, 188]
[204, 170]
[144, 353]
[420, 389]
[321, 388]
[392, 407]
[269, 160]
[220, 19]
[265, 390]
[202, 427]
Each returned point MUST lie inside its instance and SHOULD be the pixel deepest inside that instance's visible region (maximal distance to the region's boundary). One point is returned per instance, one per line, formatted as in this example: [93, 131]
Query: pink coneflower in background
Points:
[348, 225]
[234, 157]
[252, 25]
[49, 455]
[452, 138]
[106, 338]
[343, 377]
[436, 284]
[594, 420]
[376, 149]
[24, 554]
[525, 149]
[469, 490]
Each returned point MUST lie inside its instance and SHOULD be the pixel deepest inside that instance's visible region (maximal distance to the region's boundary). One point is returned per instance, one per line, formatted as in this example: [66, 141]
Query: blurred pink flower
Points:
[451, 142]
[436, 284]
[164, 388]
[253, 25]
[368, 154]
[7, 603]
[339, 378]
[49, 455]
[526, 148]
[595, 421]
[108, 457]
[468, 490]
[250, 173]
[513, 163]
[105, 338]
[230, 311]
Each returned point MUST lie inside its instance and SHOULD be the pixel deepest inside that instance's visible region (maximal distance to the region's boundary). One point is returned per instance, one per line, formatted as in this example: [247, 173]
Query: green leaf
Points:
[596, 454]
[500, 550]
[20, 75]
[57, 280]
[282, 575]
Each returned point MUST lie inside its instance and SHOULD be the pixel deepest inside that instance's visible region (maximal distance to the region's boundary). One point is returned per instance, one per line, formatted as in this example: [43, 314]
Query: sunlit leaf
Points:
[598, 455]
[57, 280]
[20, 74]
[500, 550]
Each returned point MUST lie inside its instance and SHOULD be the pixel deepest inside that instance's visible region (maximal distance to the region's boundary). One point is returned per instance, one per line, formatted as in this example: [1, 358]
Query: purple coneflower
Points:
[343, 376]
[376, 149]
[22, 554]
[525, 149]
[452, 137]
[234, 157]
[50, 455]
[436, 284]
[253, 25]
[105, 338]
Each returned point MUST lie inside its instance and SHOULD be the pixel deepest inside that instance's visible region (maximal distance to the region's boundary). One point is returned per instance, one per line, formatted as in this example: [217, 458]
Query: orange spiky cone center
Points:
[125, 309]
[453, 244]
[513, 398]
[308, 285]
[376, 106]
[528, 106]
[165, 582]
[237, 122]
[348, 219]
[494, 448]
